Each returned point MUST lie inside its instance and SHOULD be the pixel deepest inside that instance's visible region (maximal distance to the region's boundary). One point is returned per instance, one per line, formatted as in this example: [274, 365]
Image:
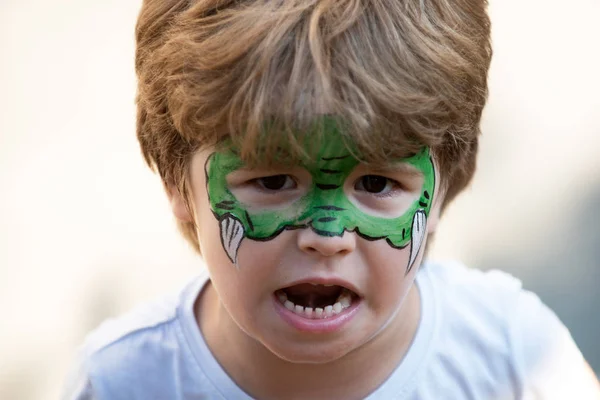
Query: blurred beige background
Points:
[86, 233]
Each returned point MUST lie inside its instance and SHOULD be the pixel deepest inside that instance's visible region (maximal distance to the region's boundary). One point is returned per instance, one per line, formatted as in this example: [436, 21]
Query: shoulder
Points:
[138, 325]
[491, 301]
[475, 308]
[495, 337]
[473, 350]
[491, 296]
[455, 276]
[143, 345]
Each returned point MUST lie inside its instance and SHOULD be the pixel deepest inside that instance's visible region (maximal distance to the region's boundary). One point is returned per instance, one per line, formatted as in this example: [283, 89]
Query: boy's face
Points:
[313, 259]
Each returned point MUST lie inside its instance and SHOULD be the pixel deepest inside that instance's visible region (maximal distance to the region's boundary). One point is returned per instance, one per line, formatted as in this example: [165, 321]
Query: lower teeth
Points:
[343, 302]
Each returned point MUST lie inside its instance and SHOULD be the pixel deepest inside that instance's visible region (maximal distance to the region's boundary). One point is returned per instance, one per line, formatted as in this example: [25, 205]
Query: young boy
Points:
[308, 149]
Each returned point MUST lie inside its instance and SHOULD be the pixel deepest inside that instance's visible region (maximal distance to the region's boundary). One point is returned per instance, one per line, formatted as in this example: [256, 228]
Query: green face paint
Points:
[325, 208]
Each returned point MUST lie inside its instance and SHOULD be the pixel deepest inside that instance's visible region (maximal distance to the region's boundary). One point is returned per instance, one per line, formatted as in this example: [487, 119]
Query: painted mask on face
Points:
[325, 208]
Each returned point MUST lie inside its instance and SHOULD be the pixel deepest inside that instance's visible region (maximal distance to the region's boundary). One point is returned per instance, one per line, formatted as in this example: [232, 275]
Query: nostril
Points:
[312, 242]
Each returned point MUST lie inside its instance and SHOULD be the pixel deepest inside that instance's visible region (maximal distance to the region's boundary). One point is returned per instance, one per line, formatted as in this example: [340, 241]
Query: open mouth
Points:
[316, 301]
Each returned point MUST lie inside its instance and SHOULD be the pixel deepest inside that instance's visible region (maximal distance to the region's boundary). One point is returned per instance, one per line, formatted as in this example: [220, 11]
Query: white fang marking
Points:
[232, 233]
[416, 236]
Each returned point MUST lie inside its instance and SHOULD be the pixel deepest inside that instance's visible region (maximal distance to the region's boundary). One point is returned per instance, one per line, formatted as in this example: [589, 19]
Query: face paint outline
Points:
[419, 219]
[414, 218]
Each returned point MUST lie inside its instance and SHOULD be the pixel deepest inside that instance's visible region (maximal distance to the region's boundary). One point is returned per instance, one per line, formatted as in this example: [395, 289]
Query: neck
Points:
[262, 374]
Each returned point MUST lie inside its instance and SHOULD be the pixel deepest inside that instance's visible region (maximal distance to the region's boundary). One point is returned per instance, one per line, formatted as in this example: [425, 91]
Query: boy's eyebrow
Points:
[267, 167]
[400, 167]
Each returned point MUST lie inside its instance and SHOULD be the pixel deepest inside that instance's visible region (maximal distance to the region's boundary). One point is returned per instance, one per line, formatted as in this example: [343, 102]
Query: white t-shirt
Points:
[480, 337]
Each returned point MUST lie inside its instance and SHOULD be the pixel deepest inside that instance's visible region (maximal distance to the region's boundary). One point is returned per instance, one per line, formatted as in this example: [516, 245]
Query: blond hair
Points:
[400, 74]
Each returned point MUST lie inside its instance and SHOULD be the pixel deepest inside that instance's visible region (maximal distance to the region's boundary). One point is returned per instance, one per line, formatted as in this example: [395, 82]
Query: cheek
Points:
[387, 272]
[234, 287]
[214, 255]
[259, 263]
[222, 271]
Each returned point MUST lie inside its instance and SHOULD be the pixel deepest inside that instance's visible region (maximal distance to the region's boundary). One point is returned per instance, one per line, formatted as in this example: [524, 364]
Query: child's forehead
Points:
[334, 159]
[331, 157]
[322, 143]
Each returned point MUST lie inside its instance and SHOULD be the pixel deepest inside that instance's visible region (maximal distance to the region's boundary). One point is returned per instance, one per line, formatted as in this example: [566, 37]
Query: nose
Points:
[312, 242]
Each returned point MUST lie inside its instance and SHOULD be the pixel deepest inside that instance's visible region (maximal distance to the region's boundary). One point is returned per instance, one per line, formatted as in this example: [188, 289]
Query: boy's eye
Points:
[276, 182]
[374, 184]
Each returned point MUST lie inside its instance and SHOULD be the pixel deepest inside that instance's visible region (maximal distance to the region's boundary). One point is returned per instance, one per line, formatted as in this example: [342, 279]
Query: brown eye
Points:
[276, 182]
[373, 183]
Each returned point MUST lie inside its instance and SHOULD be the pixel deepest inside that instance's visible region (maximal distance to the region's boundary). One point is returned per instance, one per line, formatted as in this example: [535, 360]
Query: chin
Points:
[311, 352]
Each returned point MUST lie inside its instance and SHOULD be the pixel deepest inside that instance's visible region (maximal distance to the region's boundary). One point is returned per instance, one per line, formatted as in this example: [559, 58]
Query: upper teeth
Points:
[343, 301]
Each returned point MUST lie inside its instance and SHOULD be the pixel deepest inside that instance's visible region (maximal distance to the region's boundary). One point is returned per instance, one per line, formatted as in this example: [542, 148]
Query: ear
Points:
[178, 204]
